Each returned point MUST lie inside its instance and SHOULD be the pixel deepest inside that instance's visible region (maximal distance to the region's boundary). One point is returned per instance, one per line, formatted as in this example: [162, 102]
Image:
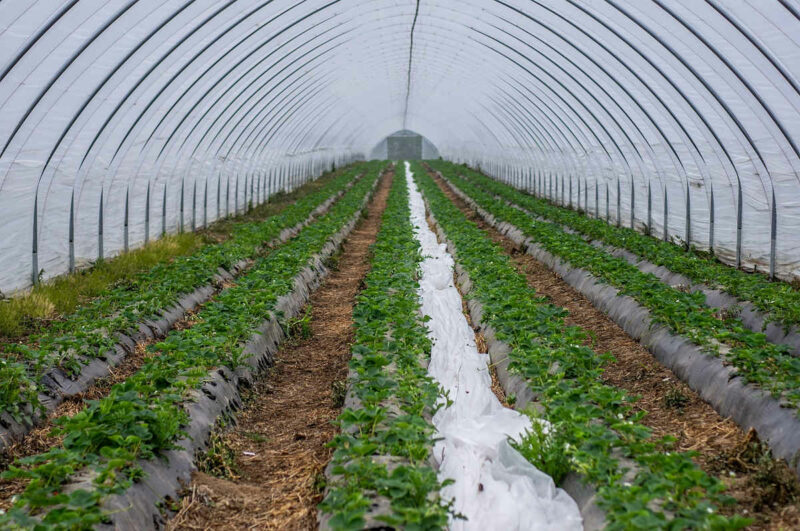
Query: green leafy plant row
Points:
[778, 299]
[385, 442]
[91, 330]
[593, 425]
[757, 361]
[143, 416]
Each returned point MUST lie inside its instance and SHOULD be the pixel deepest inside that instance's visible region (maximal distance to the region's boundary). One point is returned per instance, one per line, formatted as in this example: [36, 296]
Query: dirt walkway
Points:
[277, 451]
[764, 489]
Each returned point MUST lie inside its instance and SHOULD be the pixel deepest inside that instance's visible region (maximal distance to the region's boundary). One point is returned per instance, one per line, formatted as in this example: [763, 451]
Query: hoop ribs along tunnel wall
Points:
[689, 106]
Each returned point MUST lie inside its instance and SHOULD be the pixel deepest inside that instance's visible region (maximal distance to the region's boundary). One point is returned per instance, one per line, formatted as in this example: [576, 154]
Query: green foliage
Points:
[143, 416]
[299, 327]
[90, 331]
[390, 342]
[757, 361]
[546, 447]
[779, 299]
[594, 423]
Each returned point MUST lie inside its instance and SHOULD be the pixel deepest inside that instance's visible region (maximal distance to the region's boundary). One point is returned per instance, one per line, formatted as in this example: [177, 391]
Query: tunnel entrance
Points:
[405, 145]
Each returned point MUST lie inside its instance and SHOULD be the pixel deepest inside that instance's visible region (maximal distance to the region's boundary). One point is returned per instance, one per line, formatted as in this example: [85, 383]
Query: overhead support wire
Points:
[410, 57]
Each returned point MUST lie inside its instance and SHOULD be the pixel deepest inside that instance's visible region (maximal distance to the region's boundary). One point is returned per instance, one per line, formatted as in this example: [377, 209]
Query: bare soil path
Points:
[278, 448]
[764, 489]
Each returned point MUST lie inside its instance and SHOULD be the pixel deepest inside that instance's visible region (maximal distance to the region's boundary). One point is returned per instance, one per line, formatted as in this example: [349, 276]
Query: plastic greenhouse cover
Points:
[116, 98]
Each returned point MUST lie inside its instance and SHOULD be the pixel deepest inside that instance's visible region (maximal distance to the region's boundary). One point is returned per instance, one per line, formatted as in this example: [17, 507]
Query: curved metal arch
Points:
[663, 76]
[676, 158]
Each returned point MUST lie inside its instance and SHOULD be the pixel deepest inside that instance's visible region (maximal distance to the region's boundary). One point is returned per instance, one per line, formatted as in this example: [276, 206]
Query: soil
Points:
[764, 489]
[278, 448]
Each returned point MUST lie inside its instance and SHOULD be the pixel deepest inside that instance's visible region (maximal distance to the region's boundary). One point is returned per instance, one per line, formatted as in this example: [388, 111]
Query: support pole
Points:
[164, 212]
[666, 215]
[100, 228]
[72, 232]
[649, 208]
[633, 206]
[182, 201]
[711, 221]
[194, 206]
[586, 195]
[125, 221]
[35, 244]
[147, 215]
[619, 203]
[688, 216]
[773, 232]
[596, 200]
[228, 197]
[570, 190]
[739, 228]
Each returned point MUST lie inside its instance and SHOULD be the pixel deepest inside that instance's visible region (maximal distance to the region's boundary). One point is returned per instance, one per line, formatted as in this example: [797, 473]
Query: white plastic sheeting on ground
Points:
[495, 487]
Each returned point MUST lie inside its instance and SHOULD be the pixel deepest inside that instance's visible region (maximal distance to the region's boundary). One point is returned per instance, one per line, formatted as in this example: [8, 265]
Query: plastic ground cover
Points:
[495, 487]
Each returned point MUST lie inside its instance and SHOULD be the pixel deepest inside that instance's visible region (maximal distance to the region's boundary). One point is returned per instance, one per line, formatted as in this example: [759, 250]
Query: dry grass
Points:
[62, 295]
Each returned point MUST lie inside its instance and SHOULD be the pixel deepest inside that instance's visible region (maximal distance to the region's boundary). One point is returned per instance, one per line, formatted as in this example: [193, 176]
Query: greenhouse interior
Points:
[400, 264]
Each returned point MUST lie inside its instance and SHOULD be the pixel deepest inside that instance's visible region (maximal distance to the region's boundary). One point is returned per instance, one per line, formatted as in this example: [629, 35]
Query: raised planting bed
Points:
[762, 305]
[737, 371]
[381, 475]
[124, 453]
[596, 448]
[69, 356]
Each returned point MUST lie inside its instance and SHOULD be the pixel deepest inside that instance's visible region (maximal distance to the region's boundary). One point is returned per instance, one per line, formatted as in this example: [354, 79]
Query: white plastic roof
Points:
[126, 96]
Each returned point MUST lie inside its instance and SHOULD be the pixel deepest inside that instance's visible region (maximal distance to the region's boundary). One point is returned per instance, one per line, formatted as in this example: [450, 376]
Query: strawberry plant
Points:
[594, 424]
[779, 300]
[769, 366]
[90, 331]
[143, 416]
[384, 445]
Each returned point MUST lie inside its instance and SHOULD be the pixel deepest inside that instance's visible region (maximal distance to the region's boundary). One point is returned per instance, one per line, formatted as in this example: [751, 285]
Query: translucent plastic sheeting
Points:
[686, 98]
[494, 486]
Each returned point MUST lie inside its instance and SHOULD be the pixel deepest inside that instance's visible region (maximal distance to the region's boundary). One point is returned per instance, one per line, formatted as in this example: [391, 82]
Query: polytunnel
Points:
[662, 133]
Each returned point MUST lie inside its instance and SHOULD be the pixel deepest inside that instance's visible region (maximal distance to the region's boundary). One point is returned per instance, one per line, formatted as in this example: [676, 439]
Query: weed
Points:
[320, 483]
[62, 295]
[545, 446]
[675, 399]
[255, 437]
[338, 392]
[219, 459]
[299, 328]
